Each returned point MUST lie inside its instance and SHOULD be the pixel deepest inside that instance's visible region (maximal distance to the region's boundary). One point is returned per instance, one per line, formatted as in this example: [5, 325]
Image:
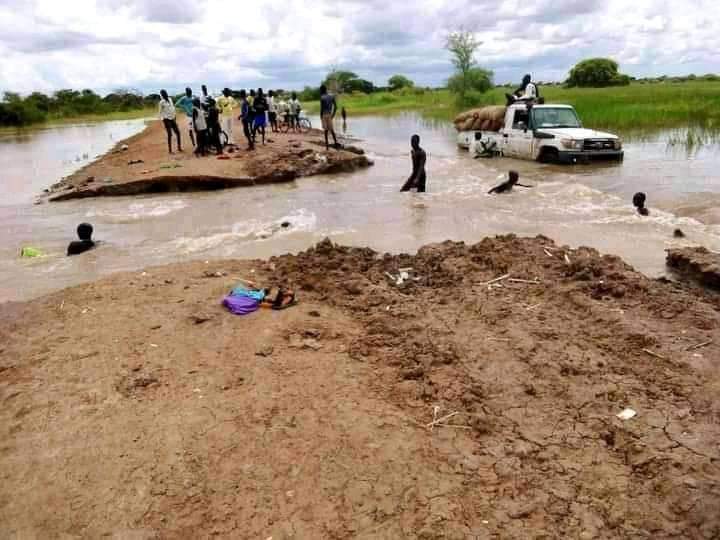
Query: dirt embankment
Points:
[696, 263]
[136, 406]
[146, 167]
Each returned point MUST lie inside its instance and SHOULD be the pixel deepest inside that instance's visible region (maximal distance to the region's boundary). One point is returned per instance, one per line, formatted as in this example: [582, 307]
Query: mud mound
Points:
[467, 391]
[538, 364]
[697, 264]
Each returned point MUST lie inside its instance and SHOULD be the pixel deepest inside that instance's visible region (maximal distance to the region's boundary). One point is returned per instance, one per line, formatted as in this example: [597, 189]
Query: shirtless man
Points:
[639, 203]
[419, 157]
[507, 186]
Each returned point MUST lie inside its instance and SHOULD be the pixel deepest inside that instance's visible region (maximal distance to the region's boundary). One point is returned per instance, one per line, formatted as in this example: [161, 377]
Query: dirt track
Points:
[137, 407]
[284, 158]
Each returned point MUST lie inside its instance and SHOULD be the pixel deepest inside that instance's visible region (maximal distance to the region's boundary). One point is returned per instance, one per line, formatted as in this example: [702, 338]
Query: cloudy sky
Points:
[148, 44]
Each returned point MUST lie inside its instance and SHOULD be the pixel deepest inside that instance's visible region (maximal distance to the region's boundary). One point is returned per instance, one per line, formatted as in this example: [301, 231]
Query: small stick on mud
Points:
[548, 253]
[436, 421]
[656, 355]
[567, 259]
[700, 345]
[530, 281]
[453, 426]
[492, 281]
[529, 308]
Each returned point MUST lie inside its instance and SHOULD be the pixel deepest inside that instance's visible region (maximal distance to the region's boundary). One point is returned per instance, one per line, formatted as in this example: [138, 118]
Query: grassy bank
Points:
[86, 118]
[641, 107]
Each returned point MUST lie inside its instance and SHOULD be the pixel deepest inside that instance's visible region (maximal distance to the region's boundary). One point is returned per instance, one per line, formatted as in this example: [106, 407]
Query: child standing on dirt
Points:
[200, 124]
[260, 105]
[246, 117]
[214, 129]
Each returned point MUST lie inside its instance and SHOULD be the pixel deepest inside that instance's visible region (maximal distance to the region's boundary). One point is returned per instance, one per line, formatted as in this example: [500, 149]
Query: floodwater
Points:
[575, 205]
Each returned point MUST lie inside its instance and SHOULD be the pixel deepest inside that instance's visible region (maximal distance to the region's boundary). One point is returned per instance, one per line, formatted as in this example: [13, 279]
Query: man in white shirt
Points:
[295, 108]
[527, 92]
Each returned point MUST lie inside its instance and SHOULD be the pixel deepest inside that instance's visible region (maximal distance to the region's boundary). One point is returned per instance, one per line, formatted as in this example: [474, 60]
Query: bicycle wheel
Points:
[304, 125]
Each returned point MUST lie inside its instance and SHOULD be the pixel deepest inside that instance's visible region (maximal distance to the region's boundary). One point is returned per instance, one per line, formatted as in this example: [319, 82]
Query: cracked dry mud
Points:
[123, 416]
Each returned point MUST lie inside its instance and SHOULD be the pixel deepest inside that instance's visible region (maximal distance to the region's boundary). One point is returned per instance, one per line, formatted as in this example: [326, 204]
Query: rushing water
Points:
[578, 205]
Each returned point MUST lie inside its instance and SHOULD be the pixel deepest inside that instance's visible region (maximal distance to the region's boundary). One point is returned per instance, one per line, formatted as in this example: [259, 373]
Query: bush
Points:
[475, 82]
[597, 73]
[398, 82]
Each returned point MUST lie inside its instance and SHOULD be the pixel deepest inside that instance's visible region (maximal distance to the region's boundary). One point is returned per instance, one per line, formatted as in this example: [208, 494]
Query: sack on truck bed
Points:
[487, 118]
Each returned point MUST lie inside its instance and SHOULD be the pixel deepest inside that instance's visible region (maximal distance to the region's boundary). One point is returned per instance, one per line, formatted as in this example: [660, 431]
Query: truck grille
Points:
[598, 144]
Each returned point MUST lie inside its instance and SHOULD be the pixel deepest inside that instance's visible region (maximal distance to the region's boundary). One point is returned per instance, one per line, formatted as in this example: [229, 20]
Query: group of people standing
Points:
[209, 118]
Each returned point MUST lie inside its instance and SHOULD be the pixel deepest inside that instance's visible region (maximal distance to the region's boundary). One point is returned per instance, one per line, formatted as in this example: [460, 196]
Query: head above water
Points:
[513, 177]
[164, 94]
[639, 200]
[84, 231]
[188, 91]
[415, 141]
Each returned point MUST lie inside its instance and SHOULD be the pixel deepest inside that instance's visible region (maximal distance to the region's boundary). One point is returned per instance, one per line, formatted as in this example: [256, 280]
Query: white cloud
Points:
[147, 44]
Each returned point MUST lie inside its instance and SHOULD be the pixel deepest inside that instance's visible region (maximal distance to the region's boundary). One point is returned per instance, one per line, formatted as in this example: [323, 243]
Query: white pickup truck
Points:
[546, 133]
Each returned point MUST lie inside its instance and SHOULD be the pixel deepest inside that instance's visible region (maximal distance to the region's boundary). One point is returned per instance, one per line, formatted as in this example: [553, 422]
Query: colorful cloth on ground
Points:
[255, 294]
[241, 305]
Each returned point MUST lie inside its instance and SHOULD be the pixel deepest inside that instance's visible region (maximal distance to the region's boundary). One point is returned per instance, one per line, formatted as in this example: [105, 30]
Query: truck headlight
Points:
[617, 143]
[571, 143]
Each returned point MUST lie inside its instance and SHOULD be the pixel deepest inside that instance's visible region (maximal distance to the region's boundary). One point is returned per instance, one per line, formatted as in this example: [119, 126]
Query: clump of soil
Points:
[698, 264]
[316, 421]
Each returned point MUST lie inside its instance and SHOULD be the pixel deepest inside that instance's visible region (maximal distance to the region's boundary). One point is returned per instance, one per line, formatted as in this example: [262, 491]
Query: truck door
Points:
[519, 136]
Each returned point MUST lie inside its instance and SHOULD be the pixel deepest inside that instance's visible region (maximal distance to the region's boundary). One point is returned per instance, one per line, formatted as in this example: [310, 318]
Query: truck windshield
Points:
[555, 118]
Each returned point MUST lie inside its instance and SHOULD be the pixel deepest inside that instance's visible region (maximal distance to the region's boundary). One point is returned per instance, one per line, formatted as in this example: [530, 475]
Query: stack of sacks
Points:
[485, 119]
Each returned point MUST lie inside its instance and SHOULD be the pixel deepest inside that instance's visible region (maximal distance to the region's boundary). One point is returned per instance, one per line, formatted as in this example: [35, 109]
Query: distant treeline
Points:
[16, 110]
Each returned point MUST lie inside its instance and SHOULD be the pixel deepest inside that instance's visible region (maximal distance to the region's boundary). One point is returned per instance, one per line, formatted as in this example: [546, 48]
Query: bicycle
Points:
[303, 124]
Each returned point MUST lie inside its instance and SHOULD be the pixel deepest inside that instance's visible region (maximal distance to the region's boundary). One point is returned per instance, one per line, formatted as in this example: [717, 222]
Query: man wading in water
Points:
[419, 157]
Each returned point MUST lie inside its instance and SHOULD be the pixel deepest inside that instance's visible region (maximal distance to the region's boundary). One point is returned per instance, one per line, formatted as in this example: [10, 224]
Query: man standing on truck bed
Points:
[527, 92]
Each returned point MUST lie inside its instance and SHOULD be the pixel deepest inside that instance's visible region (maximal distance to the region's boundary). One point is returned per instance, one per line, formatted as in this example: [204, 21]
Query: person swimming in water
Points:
[84, 232]
[639, 203]
[418, 177]
[512, 181]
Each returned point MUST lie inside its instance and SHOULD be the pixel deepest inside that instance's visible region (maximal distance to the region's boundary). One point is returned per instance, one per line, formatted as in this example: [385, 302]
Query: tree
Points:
[340, 82]
[462, 45]
[597, 72]
[476, 81]
[396, 82]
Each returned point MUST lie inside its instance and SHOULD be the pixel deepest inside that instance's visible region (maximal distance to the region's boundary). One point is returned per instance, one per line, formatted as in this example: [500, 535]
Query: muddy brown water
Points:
[578, 205]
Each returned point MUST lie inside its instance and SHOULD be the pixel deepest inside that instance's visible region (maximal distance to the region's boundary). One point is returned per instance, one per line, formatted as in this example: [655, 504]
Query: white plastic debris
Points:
[627, 414]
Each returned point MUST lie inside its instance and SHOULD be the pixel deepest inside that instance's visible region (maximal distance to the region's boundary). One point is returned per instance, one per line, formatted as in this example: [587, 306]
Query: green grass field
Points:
[634, 108]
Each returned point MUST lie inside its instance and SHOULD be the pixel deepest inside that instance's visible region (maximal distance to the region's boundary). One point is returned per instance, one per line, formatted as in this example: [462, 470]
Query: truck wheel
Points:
[549, 155]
